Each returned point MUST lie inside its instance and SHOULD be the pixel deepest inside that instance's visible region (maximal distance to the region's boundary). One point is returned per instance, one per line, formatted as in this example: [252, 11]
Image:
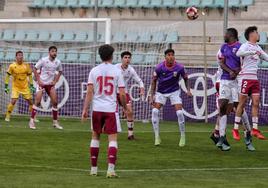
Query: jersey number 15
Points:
[106, 85]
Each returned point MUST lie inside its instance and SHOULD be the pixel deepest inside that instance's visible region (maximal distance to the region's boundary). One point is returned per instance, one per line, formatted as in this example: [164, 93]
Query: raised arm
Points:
[243, 51]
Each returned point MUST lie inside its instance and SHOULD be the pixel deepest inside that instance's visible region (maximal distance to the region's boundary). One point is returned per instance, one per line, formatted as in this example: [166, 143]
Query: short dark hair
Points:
[125, 53]
[106, 52]
[169, 50]
[19, 52]
[249, 30]
[233, 32]
[52, 47]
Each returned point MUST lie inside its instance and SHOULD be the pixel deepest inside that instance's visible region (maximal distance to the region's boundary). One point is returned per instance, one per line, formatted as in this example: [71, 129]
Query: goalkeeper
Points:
[22, 83]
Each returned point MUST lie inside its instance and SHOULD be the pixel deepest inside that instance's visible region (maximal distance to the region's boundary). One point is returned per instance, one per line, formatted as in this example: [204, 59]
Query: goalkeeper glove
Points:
[6, 88]
[32, 88]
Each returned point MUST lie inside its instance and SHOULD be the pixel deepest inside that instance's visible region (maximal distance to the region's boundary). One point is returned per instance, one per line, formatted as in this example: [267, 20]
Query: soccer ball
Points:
[192, 13]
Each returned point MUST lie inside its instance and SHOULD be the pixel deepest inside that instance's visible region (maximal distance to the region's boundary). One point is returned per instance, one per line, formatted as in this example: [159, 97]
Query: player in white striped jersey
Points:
[47, 72]
[129, 73]
[251, 55]
[103, 82]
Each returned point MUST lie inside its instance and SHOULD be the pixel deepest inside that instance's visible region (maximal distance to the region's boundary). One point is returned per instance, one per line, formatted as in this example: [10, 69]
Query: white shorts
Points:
[229, 90]
[174, 97]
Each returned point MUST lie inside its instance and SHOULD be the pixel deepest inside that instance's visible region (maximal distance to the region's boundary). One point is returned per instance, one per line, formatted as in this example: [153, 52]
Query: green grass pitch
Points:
[52, 158]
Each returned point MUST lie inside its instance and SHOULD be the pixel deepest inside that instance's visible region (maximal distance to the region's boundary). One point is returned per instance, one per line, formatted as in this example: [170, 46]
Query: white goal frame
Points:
[108, 23]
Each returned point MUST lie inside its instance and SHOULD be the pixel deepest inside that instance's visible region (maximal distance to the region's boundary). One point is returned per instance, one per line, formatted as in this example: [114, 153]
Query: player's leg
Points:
[239, 111]
[37, 101]
[112, 128]
[94, 153]
[96, 127]
[130, 122]
[155, 122]
[14, 96]
[224, 99]
[255, 112]
[54, 102]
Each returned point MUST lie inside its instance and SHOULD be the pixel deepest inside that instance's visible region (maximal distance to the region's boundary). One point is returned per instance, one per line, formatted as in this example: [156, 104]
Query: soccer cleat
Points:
[236, 135]
[94, 171]
[157, 141]
[182, 141]
[257, 133]
[32, 125]
[214, 138]
[248, 141]
[112, 175]
[131, 137]
[56, 125]
[224, 147]
[220, 142]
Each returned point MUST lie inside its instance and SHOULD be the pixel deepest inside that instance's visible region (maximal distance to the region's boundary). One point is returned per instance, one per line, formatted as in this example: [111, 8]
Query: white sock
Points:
[245, 120]
[237, 122]
[111, 167]
[155, 121]
[181, 122]
[223, 124]
[255, 121]
[130, 125]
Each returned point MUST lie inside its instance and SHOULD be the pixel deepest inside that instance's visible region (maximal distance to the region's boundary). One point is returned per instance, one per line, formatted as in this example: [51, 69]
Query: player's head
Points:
[251, 34]
[19, 56]
[231, 35]
[126, 57]
[52, 50]
[106, 53]
[170, 56]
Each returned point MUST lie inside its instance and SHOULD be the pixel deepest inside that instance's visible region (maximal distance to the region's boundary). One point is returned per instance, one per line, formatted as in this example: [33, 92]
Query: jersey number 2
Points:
[106, 83]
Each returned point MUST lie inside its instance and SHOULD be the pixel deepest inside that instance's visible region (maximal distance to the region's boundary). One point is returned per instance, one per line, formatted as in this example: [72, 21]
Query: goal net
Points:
[77, 49]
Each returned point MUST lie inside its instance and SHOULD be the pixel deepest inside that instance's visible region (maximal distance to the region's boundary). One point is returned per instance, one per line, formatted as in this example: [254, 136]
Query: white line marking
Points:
[139, 170]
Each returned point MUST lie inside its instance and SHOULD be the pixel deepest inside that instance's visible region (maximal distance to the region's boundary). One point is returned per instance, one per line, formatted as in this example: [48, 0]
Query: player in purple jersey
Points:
[166, 76]
[231, 66]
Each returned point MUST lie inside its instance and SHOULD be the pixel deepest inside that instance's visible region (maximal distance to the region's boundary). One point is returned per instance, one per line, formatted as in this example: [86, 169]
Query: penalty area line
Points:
[137, 170]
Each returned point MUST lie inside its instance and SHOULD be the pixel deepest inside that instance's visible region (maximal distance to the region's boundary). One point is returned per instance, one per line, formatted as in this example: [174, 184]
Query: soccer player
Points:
[22, 83]
[103, 82]
[251, 54]
[166, 76]
[47, 72]
[228, 93]
[129, 73]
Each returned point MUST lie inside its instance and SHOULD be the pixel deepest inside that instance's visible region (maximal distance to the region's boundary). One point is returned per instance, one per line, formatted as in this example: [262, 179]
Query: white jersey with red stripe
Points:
[106, 79]
[48, 69]
[250, 60]
[128, 74]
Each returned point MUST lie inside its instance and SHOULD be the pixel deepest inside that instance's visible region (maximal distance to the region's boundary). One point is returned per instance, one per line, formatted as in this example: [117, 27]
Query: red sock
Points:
[112, 151]
[94, 153]
[33, 114]
[55, 113]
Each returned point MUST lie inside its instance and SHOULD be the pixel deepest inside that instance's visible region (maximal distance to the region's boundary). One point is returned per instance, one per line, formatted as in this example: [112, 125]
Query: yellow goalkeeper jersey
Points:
[20, 73]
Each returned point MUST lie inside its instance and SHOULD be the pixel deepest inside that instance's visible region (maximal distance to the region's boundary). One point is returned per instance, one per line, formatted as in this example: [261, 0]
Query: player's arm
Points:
[88, 100]
[36, 72]
[8, 74]
[243, 51]
[121, 90]
[30, 79]
[139, 81]
[153, 87]
[226, 68]
[263, 55]
[58, 74]
[186, 81]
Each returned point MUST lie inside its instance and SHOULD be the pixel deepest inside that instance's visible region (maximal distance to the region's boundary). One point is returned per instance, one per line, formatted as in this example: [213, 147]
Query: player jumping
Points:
[129, 73]
[251, 54]
[22, 83]
[47, 72]
[103, 82]
[166, 76]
